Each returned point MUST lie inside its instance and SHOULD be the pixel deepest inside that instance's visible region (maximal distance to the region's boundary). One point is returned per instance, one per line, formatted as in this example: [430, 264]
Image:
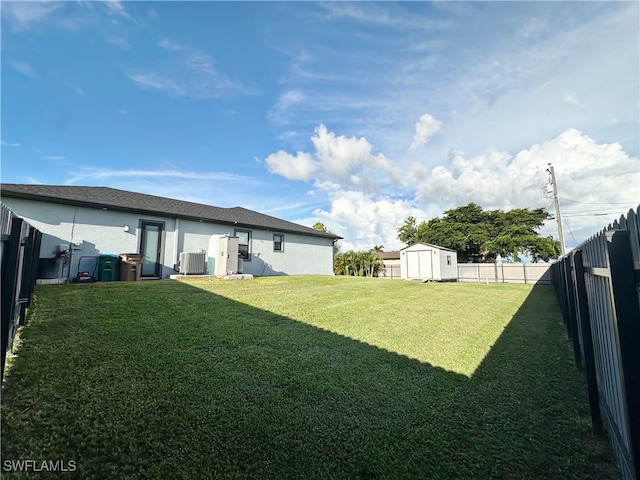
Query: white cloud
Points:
[24, 68]
[349, 161]
[279, 113]
[571, 99]
[379, 15]
[586, 172]
[344, 170]
[191, 73]
[498, 180]
[340, 155]
[9, 144]
[364, 220]
[120, 42]
[54, 157]
[157, 81]
[170, 45]
[21, 15]
[426, 128]
[100, 174]
[115, 7]
[298, 167]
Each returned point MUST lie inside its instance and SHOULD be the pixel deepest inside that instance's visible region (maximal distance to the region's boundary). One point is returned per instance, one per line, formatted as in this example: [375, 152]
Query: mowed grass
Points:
[300, 377]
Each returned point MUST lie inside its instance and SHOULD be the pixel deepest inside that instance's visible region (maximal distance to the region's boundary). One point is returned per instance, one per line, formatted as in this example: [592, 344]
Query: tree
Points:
[320, 227]
[479, 235]
[408, 231]
[358, 264]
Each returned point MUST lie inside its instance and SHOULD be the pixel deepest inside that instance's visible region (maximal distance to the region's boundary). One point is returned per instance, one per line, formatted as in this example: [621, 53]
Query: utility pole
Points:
[555, 199]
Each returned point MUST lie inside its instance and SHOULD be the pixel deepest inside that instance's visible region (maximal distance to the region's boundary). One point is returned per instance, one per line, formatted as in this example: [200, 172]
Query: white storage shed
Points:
[423, 261]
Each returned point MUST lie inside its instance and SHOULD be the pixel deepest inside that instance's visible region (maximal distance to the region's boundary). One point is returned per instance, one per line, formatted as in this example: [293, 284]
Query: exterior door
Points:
[151, 248]
[419, 264]
[413, 264]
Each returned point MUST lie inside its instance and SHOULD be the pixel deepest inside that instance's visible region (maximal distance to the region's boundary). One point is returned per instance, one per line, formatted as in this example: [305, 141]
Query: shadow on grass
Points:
[206, 387]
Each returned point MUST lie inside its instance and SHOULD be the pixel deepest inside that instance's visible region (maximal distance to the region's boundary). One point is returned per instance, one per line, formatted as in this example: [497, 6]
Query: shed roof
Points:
[428, 245]
[395, 255]
[125, 201]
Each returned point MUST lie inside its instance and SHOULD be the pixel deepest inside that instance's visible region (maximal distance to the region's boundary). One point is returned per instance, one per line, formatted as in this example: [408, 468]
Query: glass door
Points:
[151, 248]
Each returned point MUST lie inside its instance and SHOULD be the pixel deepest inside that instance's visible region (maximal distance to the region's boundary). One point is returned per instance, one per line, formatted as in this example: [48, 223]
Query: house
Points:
[79, 221]
[391, 261]
[423, 261]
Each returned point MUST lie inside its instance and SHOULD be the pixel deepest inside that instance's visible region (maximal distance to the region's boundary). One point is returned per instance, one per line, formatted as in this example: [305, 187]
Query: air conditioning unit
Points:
[192, 263]
[240, 265]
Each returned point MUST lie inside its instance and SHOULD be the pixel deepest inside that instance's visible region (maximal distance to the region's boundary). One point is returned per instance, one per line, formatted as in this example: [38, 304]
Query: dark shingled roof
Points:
[124, 201]
[395, 255]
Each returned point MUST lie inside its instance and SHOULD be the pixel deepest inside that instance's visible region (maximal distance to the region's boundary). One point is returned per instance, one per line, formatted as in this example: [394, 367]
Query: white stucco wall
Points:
[302, 255]
[102, 232]
[99, 231]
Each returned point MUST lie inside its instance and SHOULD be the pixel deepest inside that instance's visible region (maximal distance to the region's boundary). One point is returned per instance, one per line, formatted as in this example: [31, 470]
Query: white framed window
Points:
[278, 242]
[244, 244]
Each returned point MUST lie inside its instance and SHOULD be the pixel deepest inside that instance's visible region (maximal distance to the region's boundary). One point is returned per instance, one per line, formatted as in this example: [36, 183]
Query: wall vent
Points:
[192, 263]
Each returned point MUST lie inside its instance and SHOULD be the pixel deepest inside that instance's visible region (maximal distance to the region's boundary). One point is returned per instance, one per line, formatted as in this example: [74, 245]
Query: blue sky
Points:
[351, 113]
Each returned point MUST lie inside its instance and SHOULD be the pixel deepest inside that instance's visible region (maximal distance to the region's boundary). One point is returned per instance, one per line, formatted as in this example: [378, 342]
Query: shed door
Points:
[419, 264]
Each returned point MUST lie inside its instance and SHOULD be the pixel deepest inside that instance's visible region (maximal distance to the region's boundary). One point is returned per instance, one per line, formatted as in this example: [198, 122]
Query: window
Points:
[448, 259]
[278, 242]
[244, 244]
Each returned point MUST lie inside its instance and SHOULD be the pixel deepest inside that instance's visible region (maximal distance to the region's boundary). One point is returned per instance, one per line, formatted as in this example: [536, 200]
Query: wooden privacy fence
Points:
[504, 272]
[598, 288]
[20, 253]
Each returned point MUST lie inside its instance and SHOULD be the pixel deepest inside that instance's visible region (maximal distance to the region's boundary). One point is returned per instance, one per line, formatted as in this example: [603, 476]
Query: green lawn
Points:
[300, 377]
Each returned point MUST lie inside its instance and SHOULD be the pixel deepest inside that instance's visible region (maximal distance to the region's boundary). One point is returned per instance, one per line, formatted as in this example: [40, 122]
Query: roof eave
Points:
[119, 208]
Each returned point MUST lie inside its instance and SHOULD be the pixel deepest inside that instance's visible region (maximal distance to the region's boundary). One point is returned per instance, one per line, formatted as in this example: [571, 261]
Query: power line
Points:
[594, 203]
[569, 227]
[589, 214]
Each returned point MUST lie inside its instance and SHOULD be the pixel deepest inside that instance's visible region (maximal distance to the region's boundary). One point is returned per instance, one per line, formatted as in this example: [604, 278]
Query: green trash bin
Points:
[108, 267]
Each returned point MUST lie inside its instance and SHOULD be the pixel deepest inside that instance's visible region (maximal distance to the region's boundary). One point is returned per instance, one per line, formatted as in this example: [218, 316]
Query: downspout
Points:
[73, 228]
[176, 239]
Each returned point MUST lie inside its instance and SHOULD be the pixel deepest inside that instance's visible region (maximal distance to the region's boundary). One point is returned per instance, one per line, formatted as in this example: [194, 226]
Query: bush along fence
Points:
[20, 253]
[598, 288]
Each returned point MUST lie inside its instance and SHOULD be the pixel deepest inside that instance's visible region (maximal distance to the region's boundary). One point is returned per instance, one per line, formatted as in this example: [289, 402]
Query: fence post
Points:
[31, 256]
[587, 345]
[10, 260]
[572, 320]
[627, 314]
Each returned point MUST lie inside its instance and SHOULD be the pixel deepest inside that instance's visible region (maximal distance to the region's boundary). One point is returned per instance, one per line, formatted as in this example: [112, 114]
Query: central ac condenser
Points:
[192, 263]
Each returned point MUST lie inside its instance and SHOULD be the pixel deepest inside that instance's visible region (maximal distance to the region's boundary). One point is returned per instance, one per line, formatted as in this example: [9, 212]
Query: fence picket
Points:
[601, 299]
[20, 254]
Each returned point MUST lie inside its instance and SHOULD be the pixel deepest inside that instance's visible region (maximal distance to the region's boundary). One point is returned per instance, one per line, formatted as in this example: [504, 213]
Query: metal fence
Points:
[529, 273]
[19, 256]
[598, 288]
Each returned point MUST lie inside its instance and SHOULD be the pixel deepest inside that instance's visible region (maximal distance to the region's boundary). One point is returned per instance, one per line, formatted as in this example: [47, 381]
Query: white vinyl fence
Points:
[505, 272]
